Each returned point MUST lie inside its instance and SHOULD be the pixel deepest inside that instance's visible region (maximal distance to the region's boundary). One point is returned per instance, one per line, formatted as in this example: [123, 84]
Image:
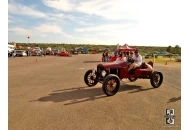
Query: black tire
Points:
[156, 79]
[106, 85]
[132, 79]
[90, 79]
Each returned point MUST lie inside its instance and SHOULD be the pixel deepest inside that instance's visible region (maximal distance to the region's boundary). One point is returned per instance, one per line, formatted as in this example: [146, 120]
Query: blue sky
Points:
[135, 22]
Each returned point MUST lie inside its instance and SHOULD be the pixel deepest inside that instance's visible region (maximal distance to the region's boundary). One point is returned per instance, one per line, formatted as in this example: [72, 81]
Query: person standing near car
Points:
[106, 56]
[103, 57]
[14, 53]
[44, 53]
[27, 53]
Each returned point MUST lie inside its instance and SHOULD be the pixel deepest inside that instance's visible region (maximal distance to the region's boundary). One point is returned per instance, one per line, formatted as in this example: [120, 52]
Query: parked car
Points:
[56, 51]
[93, 52]
[20, 53]
[75, 52]
[48, 52]
[36, 53]
[64, 53]
[178, 59]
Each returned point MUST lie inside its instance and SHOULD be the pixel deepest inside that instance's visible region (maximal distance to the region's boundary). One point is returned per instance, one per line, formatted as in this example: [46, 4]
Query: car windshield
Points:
[55, 50]
[19, 51]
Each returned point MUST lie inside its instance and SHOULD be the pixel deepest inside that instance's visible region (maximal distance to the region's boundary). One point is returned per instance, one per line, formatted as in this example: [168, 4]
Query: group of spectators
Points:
[105, 56]
[133, 58]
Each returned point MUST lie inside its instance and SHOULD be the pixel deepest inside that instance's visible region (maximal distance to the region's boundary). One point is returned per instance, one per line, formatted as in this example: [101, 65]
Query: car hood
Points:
[111, 64]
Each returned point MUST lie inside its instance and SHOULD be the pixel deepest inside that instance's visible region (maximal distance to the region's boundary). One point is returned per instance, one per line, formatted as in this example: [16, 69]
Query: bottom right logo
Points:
[169, 117]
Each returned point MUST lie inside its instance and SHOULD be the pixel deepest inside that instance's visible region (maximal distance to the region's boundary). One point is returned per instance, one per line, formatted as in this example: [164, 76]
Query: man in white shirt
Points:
[137, 61]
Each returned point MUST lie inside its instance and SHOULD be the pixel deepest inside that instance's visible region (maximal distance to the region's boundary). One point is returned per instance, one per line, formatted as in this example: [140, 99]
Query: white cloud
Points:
[10, 21]
[15, 8]
[19, 9]
[65, 5]
[83, 23]
[13, 19]
[41, 30]
[105, 28]
[20, 31]
[47, 28]
[111, 9]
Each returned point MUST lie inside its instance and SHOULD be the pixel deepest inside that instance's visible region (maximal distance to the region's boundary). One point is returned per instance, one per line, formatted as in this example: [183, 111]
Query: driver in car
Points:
[137, 61]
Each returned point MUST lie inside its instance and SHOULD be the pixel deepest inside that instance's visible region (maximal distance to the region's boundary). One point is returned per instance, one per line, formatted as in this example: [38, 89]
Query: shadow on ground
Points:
[92, 61]
[83, 94]
[174, 99]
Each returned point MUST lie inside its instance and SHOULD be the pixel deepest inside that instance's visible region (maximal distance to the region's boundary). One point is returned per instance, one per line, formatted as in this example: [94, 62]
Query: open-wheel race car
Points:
[110, 75]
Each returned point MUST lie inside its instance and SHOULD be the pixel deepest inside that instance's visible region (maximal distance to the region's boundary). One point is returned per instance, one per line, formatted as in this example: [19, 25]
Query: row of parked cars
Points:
[19, 53]
[23, 53]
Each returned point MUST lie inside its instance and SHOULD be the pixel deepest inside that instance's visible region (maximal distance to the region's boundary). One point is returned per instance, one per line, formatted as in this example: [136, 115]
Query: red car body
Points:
[63, 53]
[123, 66]
[93, 52]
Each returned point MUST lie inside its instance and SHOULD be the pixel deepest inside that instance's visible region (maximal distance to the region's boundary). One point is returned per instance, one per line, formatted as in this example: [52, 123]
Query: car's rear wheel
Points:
[156, 79]
[90, 78]
[111, 85]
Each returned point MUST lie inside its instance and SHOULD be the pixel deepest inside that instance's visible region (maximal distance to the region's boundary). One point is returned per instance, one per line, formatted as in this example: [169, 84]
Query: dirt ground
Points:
[49, 93]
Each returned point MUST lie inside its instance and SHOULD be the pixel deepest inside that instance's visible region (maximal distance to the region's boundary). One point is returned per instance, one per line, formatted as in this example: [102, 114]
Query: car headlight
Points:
[93, 71]
[103, 73]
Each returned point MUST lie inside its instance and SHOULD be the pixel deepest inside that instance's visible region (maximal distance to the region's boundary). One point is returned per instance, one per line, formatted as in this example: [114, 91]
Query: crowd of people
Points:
[133, 59]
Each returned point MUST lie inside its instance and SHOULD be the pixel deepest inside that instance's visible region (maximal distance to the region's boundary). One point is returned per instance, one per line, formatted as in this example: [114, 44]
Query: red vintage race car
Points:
[111, 73]
[64, 53]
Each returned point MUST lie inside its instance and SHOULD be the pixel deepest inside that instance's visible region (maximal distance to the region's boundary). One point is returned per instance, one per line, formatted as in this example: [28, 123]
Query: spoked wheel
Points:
[90, 78]
[111, 85]
[156, 79]
[132, 79]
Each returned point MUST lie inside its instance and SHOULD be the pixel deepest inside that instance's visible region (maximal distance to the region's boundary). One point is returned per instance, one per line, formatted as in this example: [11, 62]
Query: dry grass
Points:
[161, 60]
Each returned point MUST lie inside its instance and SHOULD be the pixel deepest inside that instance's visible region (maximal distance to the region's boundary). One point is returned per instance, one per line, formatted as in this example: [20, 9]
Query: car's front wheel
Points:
[111, 85]
[90, 78]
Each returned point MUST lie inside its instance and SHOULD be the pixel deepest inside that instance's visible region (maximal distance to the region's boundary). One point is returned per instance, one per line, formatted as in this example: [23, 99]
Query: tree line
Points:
[142, 49]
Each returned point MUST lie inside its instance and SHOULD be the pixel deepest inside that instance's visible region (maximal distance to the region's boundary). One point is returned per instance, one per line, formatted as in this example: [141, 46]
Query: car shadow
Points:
[82, 94]
[174, 99]
[141, 90]
[92, 61]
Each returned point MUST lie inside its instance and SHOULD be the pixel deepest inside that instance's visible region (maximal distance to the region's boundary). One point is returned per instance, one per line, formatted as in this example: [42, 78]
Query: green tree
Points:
[176, 50]
[169, 49]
